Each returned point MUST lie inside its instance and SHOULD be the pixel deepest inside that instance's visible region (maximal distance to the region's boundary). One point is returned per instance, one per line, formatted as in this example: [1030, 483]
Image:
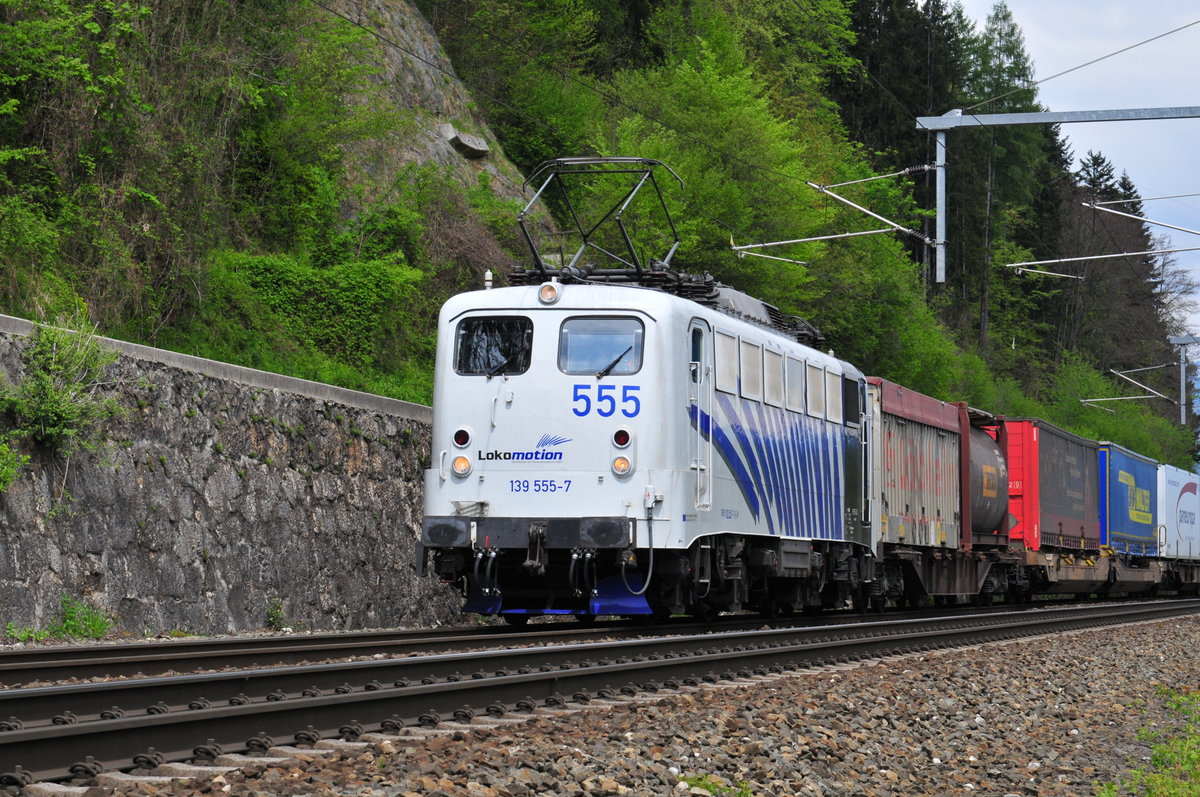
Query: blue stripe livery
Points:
[786, 464]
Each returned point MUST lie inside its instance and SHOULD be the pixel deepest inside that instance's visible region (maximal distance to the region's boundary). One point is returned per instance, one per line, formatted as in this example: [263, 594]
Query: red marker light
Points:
[621, 438]
[462, 438]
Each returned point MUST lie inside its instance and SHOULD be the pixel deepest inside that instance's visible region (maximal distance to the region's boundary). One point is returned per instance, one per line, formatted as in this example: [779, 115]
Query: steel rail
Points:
[65, 704]
[21, 666]
[617, 667]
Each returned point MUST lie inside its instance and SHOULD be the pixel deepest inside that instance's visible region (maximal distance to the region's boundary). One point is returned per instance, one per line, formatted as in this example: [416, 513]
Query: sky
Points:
[1162, 157]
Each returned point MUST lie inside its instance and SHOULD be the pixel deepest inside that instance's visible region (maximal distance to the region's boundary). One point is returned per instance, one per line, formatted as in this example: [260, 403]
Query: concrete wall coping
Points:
[251, 376]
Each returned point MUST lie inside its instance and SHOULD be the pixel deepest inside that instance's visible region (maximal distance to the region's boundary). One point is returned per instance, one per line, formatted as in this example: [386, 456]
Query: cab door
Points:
[699, 384]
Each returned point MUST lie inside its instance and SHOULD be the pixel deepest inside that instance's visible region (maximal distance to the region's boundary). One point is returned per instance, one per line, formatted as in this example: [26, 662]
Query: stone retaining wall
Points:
[220, 494]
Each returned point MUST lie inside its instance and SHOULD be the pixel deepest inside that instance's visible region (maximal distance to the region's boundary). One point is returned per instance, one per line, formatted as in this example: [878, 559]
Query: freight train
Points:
[637, 441]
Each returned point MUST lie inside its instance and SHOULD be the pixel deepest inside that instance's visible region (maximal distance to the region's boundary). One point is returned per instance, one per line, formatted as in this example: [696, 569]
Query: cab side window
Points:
[493, 345]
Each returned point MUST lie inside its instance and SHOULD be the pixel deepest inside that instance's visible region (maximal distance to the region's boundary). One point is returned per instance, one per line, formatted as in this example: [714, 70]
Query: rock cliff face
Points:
[221, 494]
[418, 80]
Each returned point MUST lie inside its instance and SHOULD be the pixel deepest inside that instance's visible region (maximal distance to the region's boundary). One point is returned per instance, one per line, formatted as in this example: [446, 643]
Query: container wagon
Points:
[937, 495]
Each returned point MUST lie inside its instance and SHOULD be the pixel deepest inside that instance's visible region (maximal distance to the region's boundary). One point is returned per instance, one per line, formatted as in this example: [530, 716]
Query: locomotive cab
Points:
[542, 484]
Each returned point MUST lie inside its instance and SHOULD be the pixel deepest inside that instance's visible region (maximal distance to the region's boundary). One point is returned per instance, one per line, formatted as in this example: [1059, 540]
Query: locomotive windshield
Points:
[493, 345]
[600, 346]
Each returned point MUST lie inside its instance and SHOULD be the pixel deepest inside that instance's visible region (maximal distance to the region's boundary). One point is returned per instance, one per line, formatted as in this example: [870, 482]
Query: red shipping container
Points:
[1052, 487]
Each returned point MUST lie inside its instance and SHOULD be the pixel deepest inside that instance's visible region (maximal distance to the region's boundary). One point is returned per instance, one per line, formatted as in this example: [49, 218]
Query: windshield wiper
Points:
[524, 348]
[613, 364]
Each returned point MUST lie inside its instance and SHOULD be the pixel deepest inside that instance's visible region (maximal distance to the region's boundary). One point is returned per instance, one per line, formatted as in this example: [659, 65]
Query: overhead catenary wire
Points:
[1112, 256]
[1036, 83]
[1142, 199]
[1144, 220]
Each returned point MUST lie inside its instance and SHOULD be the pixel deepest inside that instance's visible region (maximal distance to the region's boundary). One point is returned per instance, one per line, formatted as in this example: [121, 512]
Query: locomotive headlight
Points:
[621, 465]
[549, 293]
[461, 465]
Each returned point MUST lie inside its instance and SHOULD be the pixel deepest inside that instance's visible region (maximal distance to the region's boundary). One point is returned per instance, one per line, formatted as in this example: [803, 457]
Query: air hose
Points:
[649, 564]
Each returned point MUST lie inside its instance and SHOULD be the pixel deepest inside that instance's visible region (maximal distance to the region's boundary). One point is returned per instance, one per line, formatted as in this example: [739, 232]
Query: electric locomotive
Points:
[601, 447]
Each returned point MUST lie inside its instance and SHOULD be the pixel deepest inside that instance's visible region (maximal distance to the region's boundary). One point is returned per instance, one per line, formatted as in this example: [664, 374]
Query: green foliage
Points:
[1133, 424]
[277, 619]
[78, 621]
[11, 462]
[338, 308]
[25, 633]
[716, 786]
[298, 123]
[197, 172]
[63, 394]
[81, 621]
[335, 323]
[1174, 768]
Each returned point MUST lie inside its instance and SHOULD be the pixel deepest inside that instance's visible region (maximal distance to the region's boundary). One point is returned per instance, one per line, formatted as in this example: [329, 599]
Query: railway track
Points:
[47, 665]
[21, 667]
[75, 731]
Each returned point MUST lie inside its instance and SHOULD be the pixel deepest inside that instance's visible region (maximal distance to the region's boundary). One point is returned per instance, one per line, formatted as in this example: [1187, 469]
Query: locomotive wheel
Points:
[516, 619]
[702, 612]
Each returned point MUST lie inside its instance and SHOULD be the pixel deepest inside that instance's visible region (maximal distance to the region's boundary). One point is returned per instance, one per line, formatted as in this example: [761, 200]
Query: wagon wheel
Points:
[703, 612]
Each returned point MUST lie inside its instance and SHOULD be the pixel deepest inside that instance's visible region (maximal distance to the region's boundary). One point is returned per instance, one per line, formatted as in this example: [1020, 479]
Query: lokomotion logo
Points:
[540, 452]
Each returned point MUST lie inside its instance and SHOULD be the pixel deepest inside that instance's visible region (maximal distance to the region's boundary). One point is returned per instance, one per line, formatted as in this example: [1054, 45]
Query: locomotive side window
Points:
[795, 385]
[833, 397]
[493, 345]
[727, 363]
[816, 391]
[851, 388]
[752, 380]
[697, 353]
[773, 378]
[600, 346]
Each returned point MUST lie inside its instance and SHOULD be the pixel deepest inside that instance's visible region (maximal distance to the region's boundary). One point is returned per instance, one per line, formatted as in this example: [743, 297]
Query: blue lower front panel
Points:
[612, 596]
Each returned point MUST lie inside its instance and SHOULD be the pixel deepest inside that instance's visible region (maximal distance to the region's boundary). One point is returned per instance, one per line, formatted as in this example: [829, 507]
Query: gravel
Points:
[1048, 716]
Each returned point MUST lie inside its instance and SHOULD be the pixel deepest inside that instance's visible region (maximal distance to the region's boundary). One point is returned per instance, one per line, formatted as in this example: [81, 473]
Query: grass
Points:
[79, 621]
[715, 786]
[1174, 768]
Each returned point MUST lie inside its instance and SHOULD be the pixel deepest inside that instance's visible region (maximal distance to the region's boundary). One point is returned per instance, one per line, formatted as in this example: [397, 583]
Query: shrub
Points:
[11, 463]
[63, 393]
[81, 621]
